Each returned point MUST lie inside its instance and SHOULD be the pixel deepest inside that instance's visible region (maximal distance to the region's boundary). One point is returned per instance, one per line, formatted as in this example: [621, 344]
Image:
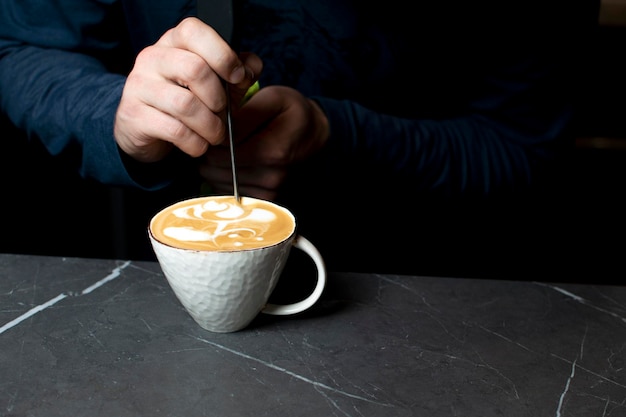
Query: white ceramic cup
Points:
[221, 282]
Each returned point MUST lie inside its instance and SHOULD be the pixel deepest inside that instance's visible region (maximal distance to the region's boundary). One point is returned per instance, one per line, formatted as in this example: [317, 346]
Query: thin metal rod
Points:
[232, 146]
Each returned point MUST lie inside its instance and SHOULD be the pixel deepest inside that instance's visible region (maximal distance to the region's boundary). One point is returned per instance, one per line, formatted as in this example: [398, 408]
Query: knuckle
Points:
[146, 55]
[277, 155]
[175, 130]
[188, 28]
[193, 68]
[185, 102]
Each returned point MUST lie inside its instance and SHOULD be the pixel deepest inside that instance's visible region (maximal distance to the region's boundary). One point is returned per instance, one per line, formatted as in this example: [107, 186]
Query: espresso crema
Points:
[219, 223]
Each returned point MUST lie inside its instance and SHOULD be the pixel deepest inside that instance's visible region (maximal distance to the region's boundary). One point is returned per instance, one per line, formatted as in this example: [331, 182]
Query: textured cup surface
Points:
[223, 259]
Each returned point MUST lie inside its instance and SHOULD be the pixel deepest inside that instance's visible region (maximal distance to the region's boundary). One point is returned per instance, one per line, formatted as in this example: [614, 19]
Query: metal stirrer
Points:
[220, 15]
[232, 146]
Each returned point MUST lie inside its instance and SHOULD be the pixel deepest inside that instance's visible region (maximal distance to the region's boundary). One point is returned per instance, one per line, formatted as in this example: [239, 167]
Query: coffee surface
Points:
[220, 223]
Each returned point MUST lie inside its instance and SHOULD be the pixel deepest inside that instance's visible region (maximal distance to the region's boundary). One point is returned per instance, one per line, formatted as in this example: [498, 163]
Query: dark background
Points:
[48, 210]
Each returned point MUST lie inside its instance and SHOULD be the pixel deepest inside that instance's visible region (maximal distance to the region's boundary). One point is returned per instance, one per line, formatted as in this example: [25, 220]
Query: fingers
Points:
[264, 150]
[175, 92]
[185, 69]
[195, 36]
[254, 66]
[138, 140]
[159, 84]
[209, 59]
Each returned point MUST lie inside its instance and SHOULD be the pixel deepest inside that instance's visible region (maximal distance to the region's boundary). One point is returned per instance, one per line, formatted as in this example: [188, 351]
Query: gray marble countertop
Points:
[93, 337]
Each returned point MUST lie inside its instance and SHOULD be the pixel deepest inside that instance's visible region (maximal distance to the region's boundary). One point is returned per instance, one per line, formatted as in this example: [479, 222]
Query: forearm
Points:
[464, 156]
[67, 101]
[62, 71]
[63, 100]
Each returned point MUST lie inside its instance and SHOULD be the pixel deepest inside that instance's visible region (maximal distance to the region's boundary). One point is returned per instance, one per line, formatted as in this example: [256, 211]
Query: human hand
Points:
[174, 95]
[275, 129]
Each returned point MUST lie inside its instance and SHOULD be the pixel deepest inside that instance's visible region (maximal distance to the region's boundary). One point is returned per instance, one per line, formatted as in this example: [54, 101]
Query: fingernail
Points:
[249, 73]
[238, 74]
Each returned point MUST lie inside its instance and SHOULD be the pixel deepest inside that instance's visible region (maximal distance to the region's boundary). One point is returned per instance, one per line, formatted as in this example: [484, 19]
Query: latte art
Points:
[220, 223]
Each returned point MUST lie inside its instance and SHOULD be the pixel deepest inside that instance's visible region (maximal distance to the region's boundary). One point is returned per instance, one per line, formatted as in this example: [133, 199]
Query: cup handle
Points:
[286, 309]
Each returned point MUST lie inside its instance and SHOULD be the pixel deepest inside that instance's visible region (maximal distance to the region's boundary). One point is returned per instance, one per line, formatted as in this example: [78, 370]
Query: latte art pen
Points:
[219, 14]
[232, 145]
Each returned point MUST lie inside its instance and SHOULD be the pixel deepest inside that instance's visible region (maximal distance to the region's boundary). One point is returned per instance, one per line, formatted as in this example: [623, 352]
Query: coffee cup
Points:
[223, 258]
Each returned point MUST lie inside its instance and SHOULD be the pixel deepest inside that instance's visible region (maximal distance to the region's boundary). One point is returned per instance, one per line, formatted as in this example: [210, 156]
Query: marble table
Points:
[97, 337]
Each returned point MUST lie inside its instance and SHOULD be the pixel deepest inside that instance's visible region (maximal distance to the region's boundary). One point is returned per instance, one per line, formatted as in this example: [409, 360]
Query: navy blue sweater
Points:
[454, 97]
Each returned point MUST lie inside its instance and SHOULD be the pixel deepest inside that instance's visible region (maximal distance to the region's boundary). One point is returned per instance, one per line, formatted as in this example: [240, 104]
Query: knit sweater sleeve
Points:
[57, 83]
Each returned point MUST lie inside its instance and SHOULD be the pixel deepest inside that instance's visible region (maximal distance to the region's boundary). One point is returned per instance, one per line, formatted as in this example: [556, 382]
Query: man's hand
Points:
[275, 129]
[174, 95]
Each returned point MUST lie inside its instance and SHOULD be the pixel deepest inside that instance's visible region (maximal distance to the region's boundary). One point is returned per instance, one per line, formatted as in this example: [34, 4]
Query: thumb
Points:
[241, 92]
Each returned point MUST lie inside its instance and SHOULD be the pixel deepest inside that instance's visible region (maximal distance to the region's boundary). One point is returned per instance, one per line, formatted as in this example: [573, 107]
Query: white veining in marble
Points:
[316, 384]
[41, 307]
[581, 300]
